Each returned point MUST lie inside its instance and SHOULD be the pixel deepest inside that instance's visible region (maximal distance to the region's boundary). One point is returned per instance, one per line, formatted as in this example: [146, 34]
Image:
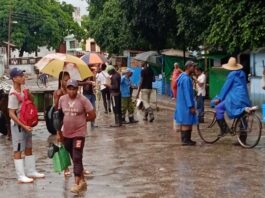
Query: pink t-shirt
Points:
[75, 110]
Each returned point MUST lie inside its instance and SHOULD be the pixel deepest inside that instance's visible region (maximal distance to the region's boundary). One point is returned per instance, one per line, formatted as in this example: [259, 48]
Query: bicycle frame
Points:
[42, 79]
[240, 127]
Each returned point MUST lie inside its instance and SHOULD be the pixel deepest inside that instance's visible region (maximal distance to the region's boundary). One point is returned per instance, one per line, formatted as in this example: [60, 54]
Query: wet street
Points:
[143, 160]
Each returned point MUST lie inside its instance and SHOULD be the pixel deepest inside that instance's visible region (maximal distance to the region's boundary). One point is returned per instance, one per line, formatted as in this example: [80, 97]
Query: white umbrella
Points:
[151, 57]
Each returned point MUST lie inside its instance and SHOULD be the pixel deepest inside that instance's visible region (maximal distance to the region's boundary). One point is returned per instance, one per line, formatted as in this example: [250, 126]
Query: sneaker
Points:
[76, 188]
[83, 185]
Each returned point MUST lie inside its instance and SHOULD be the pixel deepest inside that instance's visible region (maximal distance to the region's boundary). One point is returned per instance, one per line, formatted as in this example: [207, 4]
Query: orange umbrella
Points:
[94, 58]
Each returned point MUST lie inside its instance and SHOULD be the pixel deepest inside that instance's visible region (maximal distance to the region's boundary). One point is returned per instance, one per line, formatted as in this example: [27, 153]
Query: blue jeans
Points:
[220, 110]
[91, 98]
[200, 104]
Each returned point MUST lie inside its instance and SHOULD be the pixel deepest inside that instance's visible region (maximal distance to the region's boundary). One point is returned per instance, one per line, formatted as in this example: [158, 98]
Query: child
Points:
[77, 111]
[21, 133]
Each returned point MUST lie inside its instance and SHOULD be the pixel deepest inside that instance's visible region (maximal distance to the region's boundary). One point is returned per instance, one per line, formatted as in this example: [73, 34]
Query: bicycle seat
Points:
[251, 109]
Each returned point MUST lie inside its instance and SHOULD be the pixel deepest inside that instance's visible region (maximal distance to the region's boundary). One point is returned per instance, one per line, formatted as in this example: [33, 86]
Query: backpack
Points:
[28, 113]
[48, 116]
[3, 122]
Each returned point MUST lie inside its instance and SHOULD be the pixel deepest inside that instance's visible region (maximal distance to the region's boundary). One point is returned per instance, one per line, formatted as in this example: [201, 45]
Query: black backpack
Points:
[3, 122]
[48, 116]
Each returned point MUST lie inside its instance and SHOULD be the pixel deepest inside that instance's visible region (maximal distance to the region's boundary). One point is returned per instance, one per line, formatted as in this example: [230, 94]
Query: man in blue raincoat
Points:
[185, 114]
[233, 97]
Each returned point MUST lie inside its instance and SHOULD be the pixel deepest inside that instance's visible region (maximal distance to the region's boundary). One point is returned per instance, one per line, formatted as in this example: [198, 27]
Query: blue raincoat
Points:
[234, 94]
[184, 101]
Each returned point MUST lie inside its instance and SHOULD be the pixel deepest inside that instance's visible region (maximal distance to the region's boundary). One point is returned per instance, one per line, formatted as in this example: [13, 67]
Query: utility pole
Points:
[9, 34]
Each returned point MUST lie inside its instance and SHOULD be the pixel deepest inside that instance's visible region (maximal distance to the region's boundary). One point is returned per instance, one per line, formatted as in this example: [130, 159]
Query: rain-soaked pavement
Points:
[144, 160]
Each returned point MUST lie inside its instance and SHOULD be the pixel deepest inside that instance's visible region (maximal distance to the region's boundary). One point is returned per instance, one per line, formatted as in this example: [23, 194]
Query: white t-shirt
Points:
[13, 102]
[202, 80]
[103, 78]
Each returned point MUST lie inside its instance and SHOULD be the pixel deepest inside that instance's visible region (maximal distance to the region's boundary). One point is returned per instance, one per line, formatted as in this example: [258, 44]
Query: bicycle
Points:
[248, 125]
[42, 80]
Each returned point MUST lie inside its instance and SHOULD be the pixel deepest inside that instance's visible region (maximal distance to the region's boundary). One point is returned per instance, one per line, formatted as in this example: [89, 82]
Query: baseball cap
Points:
[72, 82]
[16, 72]
[128, 70]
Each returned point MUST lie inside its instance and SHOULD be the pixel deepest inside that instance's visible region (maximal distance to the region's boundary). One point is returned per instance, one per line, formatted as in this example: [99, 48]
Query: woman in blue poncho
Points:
[185, 114]
[233, 97]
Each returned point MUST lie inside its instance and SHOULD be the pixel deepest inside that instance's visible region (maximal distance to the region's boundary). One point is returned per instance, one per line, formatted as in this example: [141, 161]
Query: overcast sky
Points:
[78, 3]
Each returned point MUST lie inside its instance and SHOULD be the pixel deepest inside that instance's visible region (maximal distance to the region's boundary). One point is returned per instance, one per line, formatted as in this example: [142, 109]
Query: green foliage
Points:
[237, 26]
[107, 26]
[116, 25]
[143, 24]
[193, 20]
[153, 21]
[39, 23]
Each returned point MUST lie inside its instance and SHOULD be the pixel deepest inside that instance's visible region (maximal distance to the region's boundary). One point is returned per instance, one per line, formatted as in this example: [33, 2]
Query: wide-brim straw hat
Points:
[232, 65]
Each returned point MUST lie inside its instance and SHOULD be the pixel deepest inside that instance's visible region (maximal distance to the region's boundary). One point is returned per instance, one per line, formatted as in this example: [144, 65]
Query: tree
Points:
[237, 26]
[185, 24]
[106, 24]
[117, 24]
[193, 21]
[153, 21]
[39, 23]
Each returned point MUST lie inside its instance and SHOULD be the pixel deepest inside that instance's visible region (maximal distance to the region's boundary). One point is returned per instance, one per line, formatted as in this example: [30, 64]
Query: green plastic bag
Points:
[61, 160]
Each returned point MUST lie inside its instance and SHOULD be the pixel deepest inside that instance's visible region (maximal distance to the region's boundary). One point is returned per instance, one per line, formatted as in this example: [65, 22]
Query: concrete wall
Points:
[257, 94]
[28, 68]
[42, 52]
[256, 63]
[88, 45]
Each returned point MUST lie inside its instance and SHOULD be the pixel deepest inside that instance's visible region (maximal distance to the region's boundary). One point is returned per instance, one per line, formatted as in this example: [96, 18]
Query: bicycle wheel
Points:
[46, 81]
[208, 128]
[39, 83]
[248, 129]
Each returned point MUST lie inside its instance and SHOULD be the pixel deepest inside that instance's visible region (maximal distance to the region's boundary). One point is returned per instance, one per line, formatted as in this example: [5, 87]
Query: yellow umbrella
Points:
[53, 64]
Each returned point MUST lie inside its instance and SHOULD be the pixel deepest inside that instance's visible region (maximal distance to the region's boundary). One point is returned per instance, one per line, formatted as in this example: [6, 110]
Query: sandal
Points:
[67, 173]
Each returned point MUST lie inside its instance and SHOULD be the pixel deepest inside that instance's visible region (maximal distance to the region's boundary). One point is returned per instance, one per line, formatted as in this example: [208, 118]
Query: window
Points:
[72, 44]
[93, 46]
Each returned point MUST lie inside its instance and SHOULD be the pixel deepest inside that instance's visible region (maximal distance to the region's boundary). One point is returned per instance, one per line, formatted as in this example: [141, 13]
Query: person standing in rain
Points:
[88, 91]
[64, 76]
[145, 87]
[115, 93]
[185, 114]
[175, 75]
[126, 97]
[21, 133]
[103, 79]
[201, 91]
